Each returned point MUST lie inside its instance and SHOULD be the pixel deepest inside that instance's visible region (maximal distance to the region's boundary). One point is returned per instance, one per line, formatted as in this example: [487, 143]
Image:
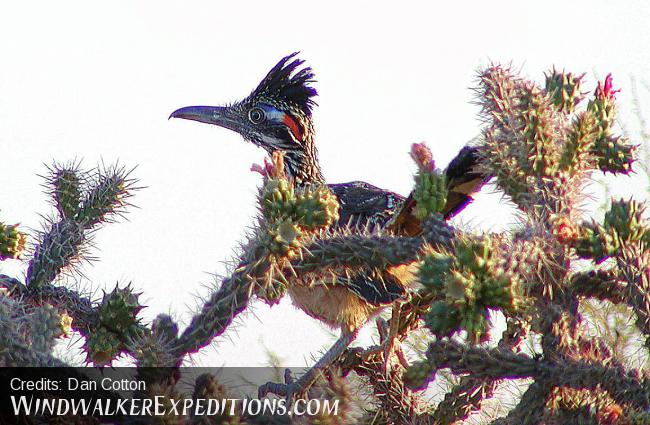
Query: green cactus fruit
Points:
[12, 242]
[67, 192]
[316, 207]
[563, 89]
[277, 199]
[462, 288]
[624, 222]
[311, 207]
[119, 309]
[102, 346]
[474, 256]
[430, 192]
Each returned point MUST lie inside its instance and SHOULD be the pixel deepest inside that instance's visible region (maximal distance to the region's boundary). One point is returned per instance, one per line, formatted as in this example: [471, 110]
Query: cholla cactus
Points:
[540, 144]
[541, 148]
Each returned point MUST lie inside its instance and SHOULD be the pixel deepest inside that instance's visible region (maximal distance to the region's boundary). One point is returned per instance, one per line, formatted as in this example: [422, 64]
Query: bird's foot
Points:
[288, 389]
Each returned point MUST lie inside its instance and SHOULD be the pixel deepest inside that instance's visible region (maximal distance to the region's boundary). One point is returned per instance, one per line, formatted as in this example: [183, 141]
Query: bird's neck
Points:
[303, 164]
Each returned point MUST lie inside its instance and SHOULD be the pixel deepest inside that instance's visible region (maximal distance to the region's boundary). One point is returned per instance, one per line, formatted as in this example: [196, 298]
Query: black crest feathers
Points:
[284, 84]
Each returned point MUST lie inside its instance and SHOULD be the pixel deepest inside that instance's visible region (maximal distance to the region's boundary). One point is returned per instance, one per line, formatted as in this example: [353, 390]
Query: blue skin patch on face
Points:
[272, 114]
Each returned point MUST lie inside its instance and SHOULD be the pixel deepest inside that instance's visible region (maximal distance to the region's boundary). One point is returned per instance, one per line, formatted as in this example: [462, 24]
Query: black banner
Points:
[148, 395]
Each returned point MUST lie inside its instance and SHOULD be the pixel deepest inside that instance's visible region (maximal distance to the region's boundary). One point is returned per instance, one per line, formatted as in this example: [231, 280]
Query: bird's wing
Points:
[374, 288]
[364, 204]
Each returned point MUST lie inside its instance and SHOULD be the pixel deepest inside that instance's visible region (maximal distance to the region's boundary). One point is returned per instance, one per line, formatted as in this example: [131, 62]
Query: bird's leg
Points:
[291, 387]
[388, 338]
[389, 343]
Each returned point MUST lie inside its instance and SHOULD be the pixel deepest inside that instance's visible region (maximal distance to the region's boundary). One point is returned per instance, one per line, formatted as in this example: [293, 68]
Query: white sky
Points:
[81, 79]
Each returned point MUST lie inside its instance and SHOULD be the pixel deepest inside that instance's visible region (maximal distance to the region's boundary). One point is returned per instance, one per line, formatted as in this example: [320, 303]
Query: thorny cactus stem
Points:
[61, 246]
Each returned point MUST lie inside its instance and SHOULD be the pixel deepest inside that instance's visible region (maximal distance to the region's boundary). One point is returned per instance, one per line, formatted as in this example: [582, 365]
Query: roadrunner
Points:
[277, 116]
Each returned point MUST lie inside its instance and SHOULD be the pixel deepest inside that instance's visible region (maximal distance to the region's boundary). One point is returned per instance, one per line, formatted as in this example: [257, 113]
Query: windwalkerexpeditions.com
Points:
[164, 406]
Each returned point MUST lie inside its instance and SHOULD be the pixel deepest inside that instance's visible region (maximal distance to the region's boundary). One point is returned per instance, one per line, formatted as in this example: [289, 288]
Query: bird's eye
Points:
[256, 115]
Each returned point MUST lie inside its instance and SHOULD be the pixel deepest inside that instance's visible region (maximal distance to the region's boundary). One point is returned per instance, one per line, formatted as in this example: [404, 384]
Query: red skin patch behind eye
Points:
[293, 126]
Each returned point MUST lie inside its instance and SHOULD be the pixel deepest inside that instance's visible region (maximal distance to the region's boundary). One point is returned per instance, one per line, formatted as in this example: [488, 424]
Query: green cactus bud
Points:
[430, 192]
[12, 242]
[623, 223]
[119, 309]
[310, 207]
[564, 90]
[472, 282]
[102, 346]
[474, 256]
[502, 290]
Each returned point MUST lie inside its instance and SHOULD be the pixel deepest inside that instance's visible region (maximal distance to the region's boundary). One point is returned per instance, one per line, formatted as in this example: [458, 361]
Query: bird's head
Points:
[275, 116]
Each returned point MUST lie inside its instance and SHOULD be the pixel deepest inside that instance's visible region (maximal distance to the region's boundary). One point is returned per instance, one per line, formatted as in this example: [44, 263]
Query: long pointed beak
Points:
[216, 115]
